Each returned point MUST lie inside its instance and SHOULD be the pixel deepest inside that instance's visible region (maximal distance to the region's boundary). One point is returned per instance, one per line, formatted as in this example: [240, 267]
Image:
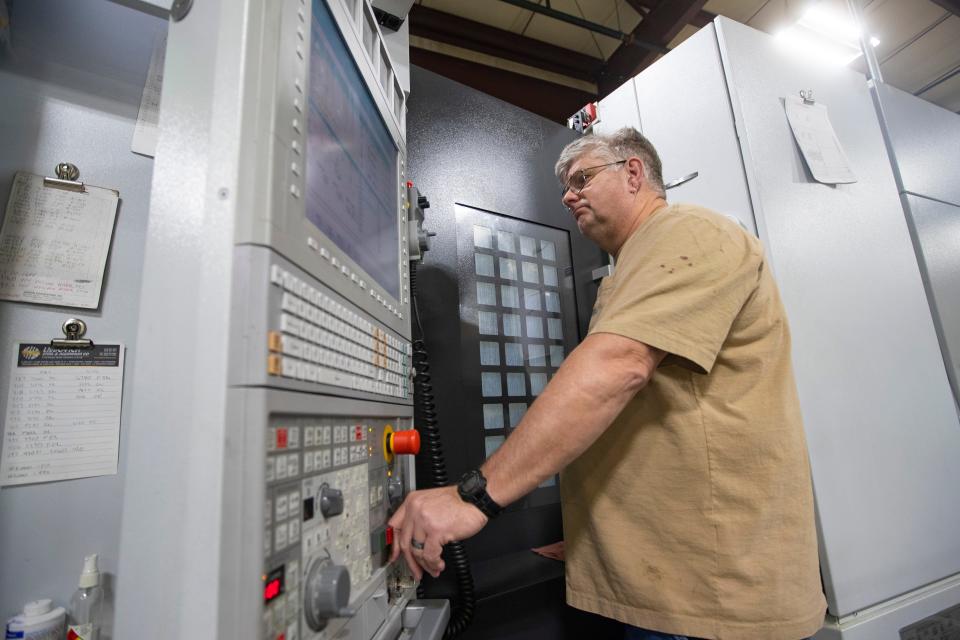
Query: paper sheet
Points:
[54, 243]
[63, 413]
[145, 133]
[818, 142]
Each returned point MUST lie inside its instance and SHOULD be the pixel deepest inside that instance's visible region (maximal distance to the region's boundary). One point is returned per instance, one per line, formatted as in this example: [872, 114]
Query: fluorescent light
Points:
[824, 35]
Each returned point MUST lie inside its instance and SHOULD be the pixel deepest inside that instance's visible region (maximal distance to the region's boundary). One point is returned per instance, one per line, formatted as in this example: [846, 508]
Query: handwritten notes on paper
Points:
[54, 243]
[63, 413]
[818, 141]
[145, 133]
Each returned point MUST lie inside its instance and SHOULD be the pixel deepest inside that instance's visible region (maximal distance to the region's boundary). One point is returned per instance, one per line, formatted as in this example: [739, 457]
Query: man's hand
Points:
[433, 517]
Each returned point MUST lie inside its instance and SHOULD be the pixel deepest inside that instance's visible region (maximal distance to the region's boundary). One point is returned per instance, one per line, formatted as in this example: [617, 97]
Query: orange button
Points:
[273, 341]
[273, 365]
[406, 442]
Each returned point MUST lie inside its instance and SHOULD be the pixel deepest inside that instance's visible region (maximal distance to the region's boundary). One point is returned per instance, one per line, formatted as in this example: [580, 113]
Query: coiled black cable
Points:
[454, 553]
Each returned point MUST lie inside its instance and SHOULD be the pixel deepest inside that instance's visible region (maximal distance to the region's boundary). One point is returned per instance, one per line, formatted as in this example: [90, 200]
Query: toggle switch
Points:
[331, 501]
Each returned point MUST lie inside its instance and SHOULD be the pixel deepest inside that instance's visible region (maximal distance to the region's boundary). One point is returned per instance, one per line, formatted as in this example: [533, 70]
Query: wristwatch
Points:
[473, 489]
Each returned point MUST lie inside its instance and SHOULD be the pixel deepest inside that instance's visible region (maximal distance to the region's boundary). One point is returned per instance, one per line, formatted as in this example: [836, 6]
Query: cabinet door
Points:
[685, 112]
[878, 410]
[937, 227]
[618, 110]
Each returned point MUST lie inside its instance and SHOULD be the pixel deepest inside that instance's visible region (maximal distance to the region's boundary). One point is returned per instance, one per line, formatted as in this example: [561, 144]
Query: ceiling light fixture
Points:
[824, 35]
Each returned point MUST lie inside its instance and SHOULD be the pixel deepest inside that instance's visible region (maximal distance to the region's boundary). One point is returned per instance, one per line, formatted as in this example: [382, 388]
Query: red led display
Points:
[273, 584]
[271, 591]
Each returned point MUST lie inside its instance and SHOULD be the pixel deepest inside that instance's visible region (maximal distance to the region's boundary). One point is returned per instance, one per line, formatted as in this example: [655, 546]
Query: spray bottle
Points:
[86, 605]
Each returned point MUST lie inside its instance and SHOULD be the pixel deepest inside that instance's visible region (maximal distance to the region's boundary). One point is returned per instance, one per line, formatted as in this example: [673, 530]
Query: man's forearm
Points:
[592, 387]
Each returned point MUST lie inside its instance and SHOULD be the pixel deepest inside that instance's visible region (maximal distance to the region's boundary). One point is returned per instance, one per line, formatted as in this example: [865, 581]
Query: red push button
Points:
[389, 536]
[406, 442]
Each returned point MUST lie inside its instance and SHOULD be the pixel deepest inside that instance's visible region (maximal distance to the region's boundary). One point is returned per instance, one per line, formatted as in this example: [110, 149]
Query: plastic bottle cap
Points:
[91, 574]
[37, 607]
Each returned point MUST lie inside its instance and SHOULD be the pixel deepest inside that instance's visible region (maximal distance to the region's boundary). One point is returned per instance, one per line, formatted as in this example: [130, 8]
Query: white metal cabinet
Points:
[879, 414]
[881, 424]
[684, 109]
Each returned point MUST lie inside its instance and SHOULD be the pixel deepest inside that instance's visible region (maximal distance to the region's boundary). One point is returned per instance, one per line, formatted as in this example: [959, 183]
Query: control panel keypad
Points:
[317, 339]
[304, 455]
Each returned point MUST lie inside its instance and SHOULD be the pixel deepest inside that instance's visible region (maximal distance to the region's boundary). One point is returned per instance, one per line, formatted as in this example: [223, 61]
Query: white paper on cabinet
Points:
[63, 413]
[818, 141]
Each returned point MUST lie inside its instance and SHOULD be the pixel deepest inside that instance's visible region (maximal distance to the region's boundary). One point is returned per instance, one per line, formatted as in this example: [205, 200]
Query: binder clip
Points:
[807, 96]
[67, 174]
[73, 329]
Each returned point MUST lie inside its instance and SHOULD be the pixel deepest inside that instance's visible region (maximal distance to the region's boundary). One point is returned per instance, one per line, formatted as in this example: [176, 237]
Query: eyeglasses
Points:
[580, 179]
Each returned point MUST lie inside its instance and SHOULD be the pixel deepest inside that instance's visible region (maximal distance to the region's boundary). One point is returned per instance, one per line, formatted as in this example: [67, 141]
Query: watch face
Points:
[472, 482]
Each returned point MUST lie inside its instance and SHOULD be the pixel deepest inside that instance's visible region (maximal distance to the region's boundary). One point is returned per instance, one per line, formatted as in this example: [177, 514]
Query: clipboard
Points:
[63, 409]
[55, 239]
[817, 140]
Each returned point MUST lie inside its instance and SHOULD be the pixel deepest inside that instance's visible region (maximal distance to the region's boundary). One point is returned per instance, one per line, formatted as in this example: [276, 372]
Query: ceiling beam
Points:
[552, 101]
[702, 19]
[643, 7]
[461, 32]
[953, 6]
[660, 26]
[568, 18]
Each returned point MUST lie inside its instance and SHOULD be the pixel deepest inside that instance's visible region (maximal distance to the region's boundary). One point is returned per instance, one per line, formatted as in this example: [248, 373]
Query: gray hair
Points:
[620, 145]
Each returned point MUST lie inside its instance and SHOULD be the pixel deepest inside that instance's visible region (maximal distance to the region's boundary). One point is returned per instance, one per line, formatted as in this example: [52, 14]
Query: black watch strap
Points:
[473, 489]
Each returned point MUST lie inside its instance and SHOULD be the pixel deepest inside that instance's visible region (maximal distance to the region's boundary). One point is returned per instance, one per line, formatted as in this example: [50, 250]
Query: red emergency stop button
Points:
[405, 442]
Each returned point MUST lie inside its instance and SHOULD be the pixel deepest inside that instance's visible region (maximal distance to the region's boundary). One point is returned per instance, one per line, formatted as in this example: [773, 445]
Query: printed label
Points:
[81, 632]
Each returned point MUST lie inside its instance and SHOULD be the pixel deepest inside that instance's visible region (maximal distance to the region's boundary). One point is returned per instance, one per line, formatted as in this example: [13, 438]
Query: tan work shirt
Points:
[693, 513]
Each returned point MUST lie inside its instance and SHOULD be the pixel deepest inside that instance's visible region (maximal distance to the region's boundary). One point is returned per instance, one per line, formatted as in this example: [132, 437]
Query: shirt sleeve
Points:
[681, 287]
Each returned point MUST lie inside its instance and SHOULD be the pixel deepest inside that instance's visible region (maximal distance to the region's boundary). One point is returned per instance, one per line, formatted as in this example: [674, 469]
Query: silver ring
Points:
[416, 544]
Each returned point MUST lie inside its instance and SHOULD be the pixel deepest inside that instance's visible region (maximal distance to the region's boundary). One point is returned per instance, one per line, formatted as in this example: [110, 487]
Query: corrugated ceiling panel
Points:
[739, 10]
[928, 58]
[496, 14]
[894, 22]
[947, 95]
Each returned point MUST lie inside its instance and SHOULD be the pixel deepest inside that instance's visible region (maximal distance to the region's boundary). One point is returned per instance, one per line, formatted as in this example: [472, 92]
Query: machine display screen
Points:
[351, 160]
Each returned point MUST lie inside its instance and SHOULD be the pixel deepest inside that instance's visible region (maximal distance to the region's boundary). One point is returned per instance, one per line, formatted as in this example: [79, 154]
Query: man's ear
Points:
[636, 172]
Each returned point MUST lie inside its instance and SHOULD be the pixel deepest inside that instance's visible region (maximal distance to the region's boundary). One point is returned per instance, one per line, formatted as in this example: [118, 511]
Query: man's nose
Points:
[569, 198]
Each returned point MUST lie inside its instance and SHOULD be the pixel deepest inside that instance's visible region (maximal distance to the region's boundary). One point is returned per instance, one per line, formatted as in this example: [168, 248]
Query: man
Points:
[687, 502]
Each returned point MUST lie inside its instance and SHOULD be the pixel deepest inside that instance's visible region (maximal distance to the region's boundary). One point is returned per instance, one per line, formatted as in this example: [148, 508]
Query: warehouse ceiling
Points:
[533, 58]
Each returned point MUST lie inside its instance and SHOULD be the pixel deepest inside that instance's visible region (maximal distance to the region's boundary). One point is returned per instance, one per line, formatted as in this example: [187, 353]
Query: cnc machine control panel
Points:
[329, 483]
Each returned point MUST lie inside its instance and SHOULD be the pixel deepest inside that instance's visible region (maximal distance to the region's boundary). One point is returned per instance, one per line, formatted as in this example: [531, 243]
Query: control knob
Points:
[326, 594]
[331, 501]
[395, 490]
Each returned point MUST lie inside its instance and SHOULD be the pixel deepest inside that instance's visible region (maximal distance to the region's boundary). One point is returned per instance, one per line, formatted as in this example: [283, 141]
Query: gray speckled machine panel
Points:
[937, 226]
[879, 414]
[251, 410]
[926, 140]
